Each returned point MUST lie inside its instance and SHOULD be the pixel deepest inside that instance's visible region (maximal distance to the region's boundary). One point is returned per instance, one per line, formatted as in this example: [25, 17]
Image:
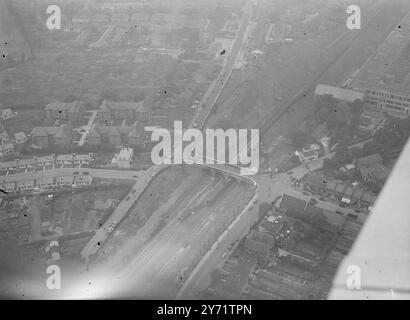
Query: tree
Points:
[264, 208]
[318, 220]
[356, 107]
[341, 156]
[355, 152]
[330, 165]
[333, 112]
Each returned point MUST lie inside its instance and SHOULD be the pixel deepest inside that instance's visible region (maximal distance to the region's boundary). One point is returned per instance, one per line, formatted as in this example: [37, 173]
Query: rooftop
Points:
[339, 93]
[72, 106]
[369, 160]
[61, 131]
[389, 67]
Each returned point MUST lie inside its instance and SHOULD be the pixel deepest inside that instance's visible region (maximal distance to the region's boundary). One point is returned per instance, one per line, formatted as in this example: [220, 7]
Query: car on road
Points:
[289, 173]
[322, 199]
[85, 173]
[127, 198]
[76, 172]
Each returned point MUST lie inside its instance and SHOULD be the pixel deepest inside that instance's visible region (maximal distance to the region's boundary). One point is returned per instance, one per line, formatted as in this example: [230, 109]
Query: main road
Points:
[53, 173]
[122, 209]
[217, 86]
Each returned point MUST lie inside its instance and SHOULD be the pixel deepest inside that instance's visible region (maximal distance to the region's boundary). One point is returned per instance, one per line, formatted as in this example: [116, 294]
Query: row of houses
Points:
[73, 112]
[108, 111]
[6, 149]
[340, 190]
[171, 20]
[322, 215]
[47, 183]
[46, 137]
[371, 168]
[62, 137]
[50, 160]
[133, 111]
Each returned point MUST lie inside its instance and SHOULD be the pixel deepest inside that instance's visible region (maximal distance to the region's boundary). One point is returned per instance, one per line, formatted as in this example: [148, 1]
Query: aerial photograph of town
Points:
[205, 150]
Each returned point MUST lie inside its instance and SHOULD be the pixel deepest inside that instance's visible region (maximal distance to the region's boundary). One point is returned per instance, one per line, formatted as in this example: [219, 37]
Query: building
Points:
[8, 165]
[299, 257]
[385, 76]
[73, 111]
[80, 21]
[322, 215]
[45, 161]
[65, 159]
[124, 158]
[369, 122]
[83, 180]
[27, 163]
[45, 183]
[4, 137]
[116, 136]
[6, 149]
[339, 190]
[307, 156]
[369, 160]
[120, 18]
[64, 181]
[100, 18]
[372, 169]
[8, 186]
[20, 137]
[272, 225]
[83, 159]
[26, 185]
[48, 137]
[122, 111]
[340, 94]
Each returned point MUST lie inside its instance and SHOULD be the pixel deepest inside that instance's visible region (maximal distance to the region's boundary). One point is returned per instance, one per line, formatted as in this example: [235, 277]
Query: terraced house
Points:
[72, 112]
[116, 136]
[46, 137]
[385, 77]
[122, 111]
